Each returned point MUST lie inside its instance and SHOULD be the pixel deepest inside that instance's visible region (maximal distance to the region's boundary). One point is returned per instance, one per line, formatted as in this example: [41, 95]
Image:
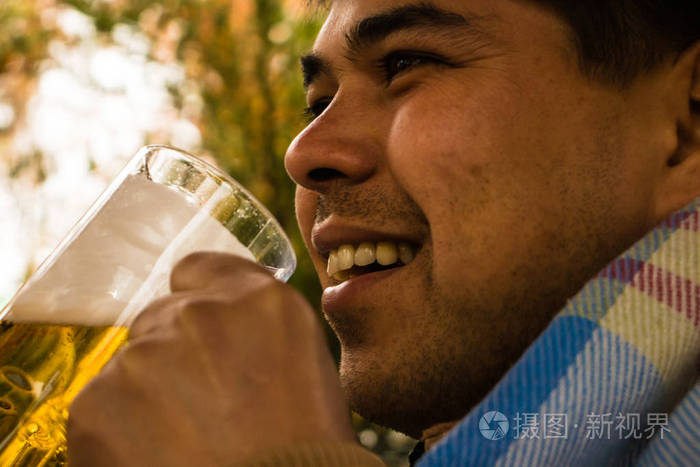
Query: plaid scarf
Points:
[613, 380]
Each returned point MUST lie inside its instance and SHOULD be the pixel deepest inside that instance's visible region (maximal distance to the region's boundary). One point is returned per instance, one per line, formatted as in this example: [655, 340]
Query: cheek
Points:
[452, 149]
[445, 159]
[305, 205]
[305, 202]
[472, 169]
[424, 157]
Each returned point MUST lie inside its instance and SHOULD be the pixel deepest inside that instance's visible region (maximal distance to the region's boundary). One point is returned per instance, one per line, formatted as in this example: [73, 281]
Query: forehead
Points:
[514, 18]
[344, 14]
[516, 26]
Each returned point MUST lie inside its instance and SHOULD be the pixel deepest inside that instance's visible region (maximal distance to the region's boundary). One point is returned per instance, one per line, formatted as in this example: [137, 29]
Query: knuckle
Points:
[193, 308]
[291, 306]
[207, 270]
[150, 317]
[173, 314]
[271, 295]
[194, 259]
[135, 368]
[306, 318]
[277, 288]
[89, 400]
[296, 300]
[144, 353]
[189, 313]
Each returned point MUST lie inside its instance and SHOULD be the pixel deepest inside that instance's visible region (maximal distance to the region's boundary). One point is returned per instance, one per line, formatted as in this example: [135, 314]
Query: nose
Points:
[336, 148]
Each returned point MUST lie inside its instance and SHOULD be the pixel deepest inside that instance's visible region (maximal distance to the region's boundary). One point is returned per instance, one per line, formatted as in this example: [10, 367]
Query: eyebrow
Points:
[377, 28]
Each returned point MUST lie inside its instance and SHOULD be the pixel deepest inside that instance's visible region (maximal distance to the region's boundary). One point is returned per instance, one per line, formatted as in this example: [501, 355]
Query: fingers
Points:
[207, 270]
[156, 315]
[200, 281]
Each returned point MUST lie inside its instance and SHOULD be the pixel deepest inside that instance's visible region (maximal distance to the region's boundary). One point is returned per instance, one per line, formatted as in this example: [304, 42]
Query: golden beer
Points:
[70, 317]
[42, 369]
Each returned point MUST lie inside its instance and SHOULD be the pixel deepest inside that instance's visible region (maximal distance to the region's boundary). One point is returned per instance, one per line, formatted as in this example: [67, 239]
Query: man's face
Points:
[466, 130]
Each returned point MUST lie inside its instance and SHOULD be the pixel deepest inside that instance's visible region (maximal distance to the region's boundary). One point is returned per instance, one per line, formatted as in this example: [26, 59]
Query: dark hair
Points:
[619, 39]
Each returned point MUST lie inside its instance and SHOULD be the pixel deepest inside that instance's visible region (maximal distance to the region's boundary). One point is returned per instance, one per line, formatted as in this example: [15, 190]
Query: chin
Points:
[379, 400]
[409, 394]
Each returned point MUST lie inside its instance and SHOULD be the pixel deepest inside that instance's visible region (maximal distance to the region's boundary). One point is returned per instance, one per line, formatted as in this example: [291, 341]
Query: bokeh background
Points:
[85, 83]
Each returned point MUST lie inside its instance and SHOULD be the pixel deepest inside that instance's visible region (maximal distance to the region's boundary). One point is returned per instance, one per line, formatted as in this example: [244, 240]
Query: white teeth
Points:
[342, 260]
[406, 253]
[365, 254]
[387, 253]
[341, 276]
[332, 263]
[346, 257]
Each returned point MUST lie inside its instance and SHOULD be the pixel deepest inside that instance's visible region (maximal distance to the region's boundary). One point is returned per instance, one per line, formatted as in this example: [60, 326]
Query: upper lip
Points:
[329, 235]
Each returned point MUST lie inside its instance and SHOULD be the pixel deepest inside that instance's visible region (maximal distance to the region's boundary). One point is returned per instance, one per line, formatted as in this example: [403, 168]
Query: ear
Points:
[681, 183]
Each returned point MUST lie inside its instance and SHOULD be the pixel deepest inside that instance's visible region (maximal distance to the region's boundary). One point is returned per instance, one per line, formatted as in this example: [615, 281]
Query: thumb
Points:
[207, 270]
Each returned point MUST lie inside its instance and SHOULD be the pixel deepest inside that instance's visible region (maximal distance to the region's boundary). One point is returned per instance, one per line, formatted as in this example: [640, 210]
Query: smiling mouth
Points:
[349, 261]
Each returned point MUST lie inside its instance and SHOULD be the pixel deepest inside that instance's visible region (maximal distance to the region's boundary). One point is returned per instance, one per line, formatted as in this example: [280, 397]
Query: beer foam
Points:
[122, 259]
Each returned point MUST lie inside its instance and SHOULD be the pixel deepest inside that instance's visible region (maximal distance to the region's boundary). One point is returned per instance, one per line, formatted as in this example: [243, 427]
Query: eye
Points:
[316, 108]
[400, 61]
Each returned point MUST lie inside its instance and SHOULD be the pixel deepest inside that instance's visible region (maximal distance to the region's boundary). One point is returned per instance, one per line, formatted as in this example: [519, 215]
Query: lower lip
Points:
[337, 297]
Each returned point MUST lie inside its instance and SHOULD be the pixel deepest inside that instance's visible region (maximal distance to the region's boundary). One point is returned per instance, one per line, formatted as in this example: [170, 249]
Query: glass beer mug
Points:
[71, 316]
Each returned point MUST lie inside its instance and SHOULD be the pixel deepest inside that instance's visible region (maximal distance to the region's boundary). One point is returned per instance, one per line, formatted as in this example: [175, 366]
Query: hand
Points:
[230, 365]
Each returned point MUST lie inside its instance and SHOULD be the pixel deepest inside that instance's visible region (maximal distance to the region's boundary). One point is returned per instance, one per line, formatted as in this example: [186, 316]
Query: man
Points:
[493, 157]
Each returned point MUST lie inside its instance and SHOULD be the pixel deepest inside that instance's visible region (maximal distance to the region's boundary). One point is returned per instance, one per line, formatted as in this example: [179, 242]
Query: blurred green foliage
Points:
[244, 54]
[23, 38]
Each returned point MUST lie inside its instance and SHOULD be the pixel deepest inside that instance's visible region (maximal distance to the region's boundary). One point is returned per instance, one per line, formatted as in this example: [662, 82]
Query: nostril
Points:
[324, 174]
